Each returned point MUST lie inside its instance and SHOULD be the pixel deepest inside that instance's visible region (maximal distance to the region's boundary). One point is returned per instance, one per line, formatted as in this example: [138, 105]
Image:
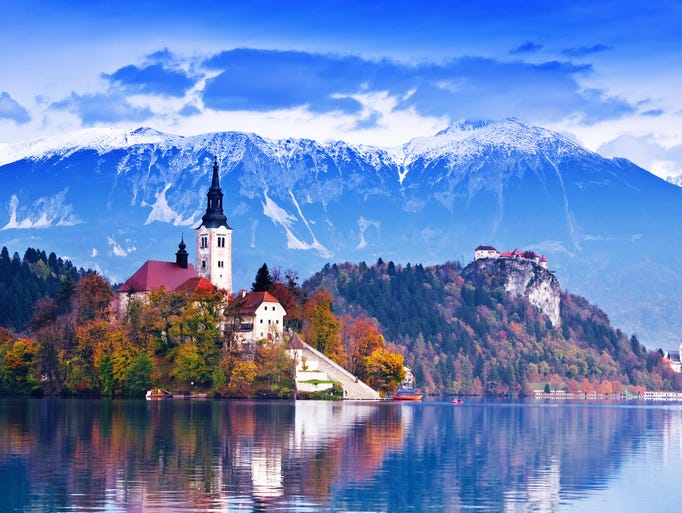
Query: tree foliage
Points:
[462, 336]
[321, 328]
[263, 281]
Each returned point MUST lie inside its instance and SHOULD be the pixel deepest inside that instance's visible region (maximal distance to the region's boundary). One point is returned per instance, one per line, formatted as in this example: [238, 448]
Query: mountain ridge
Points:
[299, 204]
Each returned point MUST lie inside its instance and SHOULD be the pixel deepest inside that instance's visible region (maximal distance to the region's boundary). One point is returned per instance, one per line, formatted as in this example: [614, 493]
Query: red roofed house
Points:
[261, 316]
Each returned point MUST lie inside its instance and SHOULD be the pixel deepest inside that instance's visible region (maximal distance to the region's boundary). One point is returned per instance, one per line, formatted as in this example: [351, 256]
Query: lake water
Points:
[228, 456]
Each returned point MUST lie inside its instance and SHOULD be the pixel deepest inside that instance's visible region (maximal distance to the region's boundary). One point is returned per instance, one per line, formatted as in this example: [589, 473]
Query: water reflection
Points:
[98, 455]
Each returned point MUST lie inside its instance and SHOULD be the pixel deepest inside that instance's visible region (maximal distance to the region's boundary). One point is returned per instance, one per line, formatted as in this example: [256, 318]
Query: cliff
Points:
[519, 277]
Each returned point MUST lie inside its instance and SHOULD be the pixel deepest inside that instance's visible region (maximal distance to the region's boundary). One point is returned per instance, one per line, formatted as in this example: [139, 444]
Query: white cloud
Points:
[118, 249]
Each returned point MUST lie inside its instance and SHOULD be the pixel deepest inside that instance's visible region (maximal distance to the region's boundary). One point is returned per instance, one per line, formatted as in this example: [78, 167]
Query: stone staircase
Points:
[318, 366]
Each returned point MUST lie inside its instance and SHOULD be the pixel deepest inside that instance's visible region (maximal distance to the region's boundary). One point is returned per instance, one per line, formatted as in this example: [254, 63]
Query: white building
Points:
[261, 316]
[485, 252]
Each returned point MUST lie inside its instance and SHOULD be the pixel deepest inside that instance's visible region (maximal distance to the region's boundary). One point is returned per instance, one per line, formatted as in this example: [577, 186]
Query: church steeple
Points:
[214, 238]
[214, 216]
[181, 255]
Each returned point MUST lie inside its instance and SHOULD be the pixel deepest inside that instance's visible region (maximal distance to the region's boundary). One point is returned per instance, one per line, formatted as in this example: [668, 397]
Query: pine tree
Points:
[263, 280]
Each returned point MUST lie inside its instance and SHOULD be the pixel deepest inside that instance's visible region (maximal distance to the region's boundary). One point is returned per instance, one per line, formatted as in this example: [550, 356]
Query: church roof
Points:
[155, 274]
[194, 285]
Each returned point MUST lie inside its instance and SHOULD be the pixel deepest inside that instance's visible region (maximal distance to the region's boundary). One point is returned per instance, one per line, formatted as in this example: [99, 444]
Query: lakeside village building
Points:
[262, 316]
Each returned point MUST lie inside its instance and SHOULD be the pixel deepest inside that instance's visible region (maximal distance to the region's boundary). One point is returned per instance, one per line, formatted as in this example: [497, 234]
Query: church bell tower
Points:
[214, 239]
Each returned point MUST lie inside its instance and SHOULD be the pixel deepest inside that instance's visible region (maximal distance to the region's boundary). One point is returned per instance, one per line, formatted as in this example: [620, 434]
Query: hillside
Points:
[111, 199]
[24, 281]
[462, 332]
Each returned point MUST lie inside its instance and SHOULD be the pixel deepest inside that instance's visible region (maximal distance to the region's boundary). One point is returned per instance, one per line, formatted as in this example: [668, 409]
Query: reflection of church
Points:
[213, 268]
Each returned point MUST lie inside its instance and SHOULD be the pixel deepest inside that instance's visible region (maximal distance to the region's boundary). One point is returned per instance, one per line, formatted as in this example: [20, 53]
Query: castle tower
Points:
[214, 239]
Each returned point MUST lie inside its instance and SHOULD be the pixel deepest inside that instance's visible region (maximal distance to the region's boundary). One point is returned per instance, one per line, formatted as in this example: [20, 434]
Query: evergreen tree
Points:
[263, 281]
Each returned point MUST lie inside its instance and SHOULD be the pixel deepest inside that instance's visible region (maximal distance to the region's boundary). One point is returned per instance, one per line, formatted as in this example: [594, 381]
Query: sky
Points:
[606, 73]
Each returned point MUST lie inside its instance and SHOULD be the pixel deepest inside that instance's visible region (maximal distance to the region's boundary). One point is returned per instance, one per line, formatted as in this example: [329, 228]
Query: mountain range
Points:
[110, 199]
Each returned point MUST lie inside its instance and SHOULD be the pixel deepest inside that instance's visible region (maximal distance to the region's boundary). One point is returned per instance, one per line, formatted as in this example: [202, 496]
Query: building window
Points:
[204, 241]
[221, 263]
[203, 264]
[261, 321]
[221, 242]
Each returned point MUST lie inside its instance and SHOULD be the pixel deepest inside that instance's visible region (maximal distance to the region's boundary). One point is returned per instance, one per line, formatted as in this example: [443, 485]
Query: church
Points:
[213, 269]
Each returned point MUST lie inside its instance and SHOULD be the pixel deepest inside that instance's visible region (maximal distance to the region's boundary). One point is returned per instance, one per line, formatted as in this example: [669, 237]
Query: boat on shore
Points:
[407, 394]
[157, 393]
[456, 401]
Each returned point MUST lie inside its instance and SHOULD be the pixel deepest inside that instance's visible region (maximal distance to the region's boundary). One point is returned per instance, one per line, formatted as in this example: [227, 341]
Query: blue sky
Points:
[606, 73]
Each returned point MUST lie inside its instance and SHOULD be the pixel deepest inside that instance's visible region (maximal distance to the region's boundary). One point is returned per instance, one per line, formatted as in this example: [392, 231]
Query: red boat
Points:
[457, 401]
[407, 394]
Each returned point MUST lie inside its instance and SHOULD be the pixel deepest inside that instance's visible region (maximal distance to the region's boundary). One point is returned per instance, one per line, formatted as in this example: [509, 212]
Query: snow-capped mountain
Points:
[110, 199]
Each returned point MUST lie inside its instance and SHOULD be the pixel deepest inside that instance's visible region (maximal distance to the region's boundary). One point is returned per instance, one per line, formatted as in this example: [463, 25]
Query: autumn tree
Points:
[385, 370]
[18, 373]
[321, 328]
[92, 298]
[274, 366]
[290, 295]
[159, 314]
[556, 381]
[361, 337]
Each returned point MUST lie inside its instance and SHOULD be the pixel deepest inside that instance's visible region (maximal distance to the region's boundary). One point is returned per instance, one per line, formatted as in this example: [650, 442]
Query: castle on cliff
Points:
[491, 252]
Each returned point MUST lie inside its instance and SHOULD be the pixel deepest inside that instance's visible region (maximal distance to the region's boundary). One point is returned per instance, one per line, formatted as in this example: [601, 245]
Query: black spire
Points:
[181, 254]
[214, 216]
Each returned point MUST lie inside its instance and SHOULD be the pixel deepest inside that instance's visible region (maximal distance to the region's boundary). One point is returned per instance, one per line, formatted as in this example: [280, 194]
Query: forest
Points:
[73, 344]
[458, 336]
[471, 337]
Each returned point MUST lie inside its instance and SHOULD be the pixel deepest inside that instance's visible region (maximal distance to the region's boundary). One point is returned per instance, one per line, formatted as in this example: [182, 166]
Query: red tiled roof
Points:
[543, 259]
[155, 274]
[253, 300]
[197, 284]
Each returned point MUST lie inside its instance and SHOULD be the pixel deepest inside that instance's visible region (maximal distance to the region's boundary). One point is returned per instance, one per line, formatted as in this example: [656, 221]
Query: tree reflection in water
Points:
[184, 455]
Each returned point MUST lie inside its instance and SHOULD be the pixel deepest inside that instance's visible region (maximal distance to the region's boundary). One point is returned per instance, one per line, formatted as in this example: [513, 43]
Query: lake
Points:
[203, 455]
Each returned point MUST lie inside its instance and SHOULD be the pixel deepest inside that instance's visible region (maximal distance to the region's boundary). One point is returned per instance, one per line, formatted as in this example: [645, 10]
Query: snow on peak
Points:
[97, 139]
[458, 142]
[470, 138]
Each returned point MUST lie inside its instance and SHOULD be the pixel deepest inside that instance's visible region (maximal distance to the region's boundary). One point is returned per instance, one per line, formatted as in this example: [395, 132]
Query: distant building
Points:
[490, 252]
[672, 358]
[485, 252]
